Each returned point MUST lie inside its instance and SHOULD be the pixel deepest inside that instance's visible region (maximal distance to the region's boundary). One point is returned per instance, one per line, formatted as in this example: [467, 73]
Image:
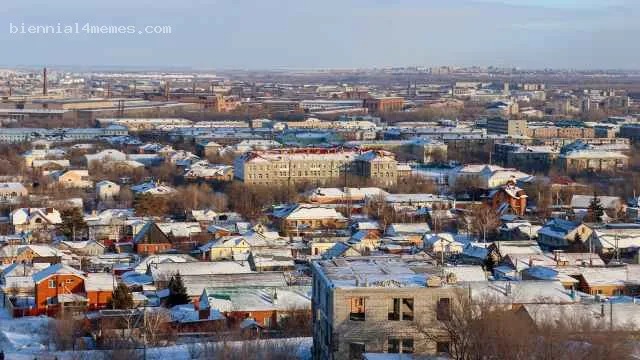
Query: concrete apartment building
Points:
[593, 160]
[546, 132]
[316, 165]
[498, 125]
[379, 304]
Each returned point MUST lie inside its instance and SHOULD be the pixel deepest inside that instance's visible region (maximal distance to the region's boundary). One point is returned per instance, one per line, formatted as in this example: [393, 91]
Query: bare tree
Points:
[483, 221]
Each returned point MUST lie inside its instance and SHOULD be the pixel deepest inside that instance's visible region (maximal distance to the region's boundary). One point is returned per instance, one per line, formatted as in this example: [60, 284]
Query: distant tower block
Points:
[506, 89]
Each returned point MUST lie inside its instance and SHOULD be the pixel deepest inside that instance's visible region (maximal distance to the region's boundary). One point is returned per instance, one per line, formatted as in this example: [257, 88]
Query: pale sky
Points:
[266, 34]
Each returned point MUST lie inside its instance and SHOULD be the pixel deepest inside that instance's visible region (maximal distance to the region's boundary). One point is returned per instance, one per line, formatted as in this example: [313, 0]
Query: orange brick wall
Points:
[42, 290]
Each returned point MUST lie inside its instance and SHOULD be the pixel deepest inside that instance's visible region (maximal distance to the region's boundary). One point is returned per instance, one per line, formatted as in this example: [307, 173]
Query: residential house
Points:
[262, 307]
[225, 248]
[617, 240]
[82, 248]
[34, 219]
[151, 240]
[107, 190]
[28, 254]
[485, 176]
[271, 259]
[558, 234]
[412, 233]
[613, 205]
[302, 218]
[72, 178]
[105, 155]
[209, 172]
[443, 243]
[152, 188]
[61, 286]
[12, 192]
[508, 199]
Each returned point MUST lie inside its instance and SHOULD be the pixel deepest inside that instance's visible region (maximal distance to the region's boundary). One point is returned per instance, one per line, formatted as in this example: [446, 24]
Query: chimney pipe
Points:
[44, 83]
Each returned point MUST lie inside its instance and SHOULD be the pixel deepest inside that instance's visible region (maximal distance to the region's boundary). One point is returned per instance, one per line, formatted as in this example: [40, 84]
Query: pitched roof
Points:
[57, 269]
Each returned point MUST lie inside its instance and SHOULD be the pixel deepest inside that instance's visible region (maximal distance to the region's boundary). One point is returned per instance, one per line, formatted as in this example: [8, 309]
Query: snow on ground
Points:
[26, 338]
[175, 352]
[25, 335]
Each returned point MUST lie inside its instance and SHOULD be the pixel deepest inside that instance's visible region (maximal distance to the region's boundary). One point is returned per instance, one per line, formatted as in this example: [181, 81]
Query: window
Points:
[443, 311]
[52, 284]
[393, 346]
[357, 309]
[356, 350]
[394, 310]
[407, 346]
[52, 300]
[400, 309]
[407, 309]
[442, 347]
[267, 322]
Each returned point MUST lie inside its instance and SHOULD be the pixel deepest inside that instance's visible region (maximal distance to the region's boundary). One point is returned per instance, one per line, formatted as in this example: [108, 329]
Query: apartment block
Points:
[498, 125]
[316, 165]
[379, 304]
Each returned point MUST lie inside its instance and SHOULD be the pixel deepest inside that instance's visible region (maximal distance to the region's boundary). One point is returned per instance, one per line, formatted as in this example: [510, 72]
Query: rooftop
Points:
[387, 271]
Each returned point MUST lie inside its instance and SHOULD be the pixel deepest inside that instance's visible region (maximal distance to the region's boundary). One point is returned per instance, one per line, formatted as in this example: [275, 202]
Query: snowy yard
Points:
[26, 339]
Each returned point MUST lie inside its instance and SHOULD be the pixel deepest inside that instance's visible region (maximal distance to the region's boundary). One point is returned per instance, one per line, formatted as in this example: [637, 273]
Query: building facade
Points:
[358, 308]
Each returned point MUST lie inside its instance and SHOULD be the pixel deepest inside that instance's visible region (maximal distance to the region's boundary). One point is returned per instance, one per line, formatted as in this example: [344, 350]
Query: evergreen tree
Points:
[595, 211]
[73, 223]
[177, 291]
[121, 298]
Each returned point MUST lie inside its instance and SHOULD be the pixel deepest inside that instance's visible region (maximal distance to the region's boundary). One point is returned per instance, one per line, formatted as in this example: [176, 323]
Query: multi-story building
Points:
[384, 104]
[593, 160]
[526, 157]
[379, 166]
[572, 132]
[498, 125]
[630, 131]
[272, 106]
[379, 304]
[317, 165]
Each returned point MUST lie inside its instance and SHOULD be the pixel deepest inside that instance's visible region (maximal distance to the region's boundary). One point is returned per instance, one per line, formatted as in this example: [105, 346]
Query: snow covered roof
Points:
[163, 270]
[160, 259]
[308, 212]
[622, 238]
[407, 229]
[57, 269]
[607, 202]
[258, 299]
[620, 316]
[520, 292]
[99, 282]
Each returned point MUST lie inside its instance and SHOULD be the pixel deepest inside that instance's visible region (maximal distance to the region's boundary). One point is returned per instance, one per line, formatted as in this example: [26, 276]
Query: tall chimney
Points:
[166, 90]
[44, 83]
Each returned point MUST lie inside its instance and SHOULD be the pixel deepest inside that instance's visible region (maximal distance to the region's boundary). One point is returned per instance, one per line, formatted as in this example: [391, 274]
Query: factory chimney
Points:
[44, 83]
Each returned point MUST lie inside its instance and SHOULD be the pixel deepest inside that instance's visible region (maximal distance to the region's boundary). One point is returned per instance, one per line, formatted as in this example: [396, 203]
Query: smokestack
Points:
[44, 83]
[166, 90]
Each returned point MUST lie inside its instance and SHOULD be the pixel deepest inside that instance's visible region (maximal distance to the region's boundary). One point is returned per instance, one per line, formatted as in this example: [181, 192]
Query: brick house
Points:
[58, 286]
[151, 240]
[508, 198]
[61, 286]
